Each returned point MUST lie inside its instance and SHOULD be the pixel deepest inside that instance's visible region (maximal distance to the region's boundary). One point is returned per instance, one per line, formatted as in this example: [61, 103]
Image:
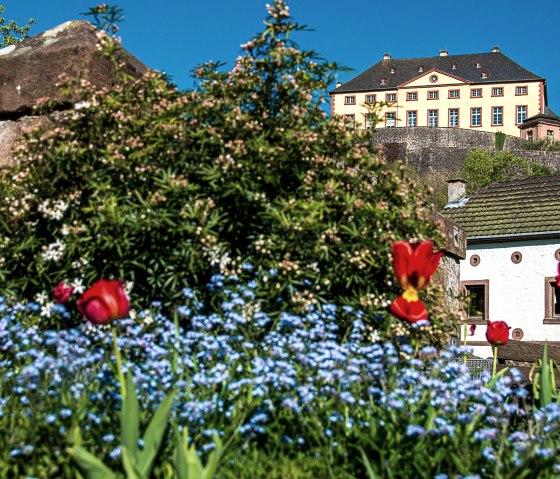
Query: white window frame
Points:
[497, 112]
[520, 114]
[454, 117]
[433, 115]
[412, 115]
[478, 116]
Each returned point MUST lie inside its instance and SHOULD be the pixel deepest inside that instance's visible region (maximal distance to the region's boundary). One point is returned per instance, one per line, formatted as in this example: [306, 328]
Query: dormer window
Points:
[383, 81]
[393, 70]
[421, 69]
[478, 64]
[484, 74]
[454, 66]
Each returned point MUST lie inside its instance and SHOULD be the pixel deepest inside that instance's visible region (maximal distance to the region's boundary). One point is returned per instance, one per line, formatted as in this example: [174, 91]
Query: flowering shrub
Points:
[164, 188]
[292, 390]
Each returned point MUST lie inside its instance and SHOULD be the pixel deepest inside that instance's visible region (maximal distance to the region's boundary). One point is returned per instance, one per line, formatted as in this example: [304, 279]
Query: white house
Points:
[513, 248]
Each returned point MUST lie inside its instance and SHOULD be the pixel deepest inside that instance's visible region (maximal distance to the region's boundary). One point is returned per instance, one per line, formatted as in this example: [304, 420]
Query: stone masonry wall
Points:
[441, 150]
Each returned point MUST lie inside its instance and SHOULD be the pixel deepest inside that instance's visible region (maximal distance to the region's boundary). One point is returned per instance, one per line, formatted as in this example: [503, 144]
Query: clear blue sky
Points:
[177, 35]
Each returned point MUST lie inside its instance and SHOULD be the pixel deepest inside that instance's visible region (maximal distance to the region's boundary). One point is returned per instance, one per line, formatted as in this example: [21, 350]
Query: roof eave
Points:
[513, 237]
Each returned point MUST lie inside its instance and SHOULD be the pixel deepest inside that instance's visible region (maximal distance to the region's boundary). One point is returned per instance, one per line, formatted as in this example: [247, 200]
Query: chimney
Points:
[387, 56]
[495, 49]
[443, 53]
[456, 193]
[338, 84]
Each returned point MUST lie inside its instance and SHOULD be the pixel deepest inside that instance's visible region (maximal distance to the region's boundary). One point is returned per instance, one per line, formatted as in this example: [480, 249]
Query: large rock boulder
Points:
[31, 69]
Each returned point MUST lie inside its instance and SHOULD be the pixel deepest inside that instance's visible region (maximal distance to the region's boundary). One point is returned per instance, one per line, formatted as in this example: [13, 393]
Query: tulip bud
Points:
[62, 293]
[497, 332]
[104, 302]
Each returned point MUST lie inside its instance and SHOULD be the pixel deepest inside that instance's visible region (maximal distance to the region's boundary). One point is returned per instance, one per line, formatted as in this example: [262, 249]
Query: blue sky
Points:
[177, 35]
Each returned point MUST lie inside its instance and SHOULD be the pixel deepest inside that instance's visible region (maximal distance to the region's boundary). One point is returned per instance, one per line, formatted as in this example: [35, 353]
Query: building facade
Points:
[513, 248]
[481, 91]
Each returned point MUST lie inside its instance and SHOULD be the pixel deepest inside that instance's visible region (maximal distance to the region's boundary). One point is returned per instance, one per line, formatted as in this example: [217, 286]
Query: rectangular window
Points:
[350, 100]
[530, 136]
[551, 301]
[390, 97]
[498, 91]
[350, 120]
[520, 115]
[476, 301]
[550, 135]
[453, 93]
[433, 118]
[370, 121]
[370, 98]
[476, 93]
[433, 95]
[454, 117]
[476, 116]
[521, 90]
[412, 96]
[497, 115]
[411, 118]
[390, 120]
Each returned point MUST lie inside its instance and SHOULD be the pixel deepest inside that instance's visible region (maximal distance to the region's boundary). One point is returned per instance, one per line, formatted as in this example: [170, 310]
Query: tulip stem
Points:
[495, 366]
[120, 374]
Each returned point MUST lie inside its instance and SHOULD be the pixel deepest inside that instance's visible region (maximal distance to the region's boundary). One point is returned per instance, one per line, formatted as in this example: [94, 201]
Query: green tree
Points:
[166, 188]
[483, 167]
[10, 32]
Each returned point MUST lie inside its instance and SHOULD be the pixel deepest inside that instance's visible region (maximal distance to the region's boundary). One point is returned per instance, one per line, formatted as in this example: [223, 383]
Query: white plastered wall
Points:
[516, 291]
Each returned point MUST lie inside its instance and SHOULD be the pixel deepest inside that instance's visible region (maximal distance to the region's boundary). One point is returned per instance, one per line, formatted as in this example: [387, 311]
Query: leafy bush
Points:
[164, 188]
[500, 140]
[484, 167]
[541, 145]
[10, 32]
[295, 395]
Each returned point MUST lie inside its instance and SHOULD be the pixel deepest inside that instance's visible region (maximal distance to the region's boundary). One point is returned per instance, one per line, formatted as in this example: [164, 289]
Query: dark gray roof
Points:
[499, 67]
[548, 114]
[511, 208]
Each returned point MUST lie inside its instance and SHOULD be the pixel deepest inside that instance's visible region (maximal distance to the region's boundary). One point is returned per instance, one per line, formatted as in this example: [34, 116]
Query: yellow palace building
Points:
[479, 91]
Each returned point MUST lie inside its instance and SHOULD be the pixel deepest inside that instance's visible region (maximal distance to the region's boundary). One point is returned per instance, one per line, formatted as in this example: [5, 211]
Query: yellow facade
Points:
[442, 100]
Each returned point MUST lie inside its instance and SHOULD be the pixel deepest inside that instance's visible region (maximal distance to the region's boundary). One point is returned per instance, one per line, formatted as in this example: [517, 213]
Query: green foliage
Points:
[483, 167]
[165, 188]
[544, 381]
[10, 32]
[138, 462]
[541, 145]
[500, 140]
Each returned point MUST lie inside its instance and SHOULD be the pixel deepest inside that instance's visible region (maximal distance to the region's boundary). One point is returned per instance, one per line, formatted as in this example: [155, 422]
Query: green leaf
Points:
[154, 435]
[367, 465]
[545, 382]
[130, 418]
[180, 464]
[214, 458]
[130, 467]
[89, 465]
[498, 375]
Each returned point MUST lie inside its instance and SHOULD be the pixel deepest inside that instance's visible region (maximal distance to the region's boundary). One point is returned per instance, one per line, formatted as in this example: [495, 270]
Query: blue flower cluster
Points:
[239, 365]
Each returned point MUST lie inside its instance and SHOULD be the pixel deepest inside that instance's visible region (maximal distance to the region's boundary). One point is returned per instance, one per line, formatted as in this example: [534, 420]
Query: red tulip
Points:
[411, 311]
[104, 302]
[472, 329]
[415, 263]
[62, 293]
[497, 332]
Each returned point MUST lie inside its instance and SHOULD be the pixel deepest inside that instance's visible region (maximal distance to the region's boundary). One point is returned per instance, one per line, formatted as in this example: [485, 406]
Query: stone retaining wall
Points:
[440, 150]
